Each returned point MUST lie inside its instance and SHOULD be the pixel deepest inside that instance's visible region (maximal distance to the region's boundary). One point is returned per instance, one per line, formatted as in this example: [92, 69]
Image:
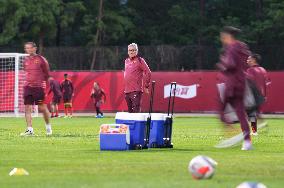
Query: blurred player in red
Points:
[68, 92]
[233, 66]
[137, 78]
[57, 95]
[37, 74]
[99, 97]
[258, 76]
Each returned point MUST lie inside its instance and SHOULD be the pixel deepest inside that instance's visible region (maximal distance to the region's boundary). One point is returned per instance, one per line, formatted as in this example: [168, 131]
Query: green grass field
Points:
[71, 157]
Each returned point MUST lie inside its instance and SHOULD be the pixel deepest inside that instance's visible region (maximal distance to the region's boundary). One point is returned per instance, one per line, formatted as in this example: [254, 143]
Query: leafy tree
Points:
[69, 21]
[32, 20]
[12, 12]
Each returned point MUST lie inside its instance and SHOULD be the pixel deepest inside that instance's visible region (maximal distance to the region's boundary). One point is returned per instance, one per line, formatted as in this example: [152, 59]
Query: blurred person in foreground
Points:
[99, 97]
[36, 70]
[258, 80]
[137, 76]
[233, 64]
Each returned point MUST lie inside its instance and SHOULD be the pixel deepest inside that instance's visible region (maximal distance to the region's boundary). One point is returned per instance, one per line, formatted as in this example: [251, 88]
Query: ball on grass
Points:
[251, 185]
[202, 167]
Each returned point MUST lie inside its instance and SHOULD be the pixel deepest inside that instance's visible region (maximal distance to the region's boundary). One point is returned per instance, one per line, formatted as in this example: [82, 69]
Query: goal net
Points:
[12, 78]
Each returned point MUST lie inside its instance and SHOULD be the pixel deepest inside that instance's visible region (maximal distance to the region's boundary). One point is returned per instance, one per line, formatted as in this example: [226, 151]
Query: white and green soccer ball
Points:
[202, 167]
[251, 185]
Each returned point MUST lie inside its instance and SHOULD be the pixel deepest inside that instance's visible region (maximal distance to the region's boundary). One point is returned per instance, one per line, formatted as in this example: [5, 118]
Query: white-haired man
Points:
[137, 78]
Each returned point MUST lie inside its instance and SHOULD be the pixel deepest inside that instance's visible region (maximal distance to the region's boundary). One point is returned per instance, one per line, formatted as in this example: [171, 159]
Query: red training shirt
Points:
[258, 75]
[136, 74]
[98, 95]
[67, 87]
[36, 68]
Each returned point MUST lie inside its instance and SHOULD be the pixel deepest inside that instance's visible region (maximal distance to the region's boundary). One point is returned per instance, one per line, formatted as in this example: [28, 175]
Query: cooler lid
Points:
[131, 116]
[158, 116]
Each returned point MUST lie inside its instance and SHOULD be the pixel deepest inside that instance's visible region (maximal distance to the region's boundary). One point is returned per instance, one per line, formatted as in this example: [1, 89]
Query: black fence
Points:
[159, 58]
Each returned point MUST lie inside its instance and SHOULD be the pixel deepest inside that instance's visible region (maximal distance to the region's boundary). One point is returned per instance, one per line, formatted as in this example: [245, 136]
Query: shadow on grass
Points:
[156, 150]
[93, 117]
[74, 136]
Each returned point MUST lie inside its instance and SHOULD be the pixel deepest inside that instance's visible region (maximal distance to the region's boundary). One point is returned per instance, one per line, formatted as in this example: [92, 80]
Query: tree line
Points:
[95, 23]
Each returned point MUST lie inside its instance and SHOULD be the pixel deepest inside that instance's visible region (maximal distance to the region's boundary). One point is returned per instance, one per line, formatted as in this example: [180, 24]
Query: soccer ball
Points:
[202, 167]
[251, 185]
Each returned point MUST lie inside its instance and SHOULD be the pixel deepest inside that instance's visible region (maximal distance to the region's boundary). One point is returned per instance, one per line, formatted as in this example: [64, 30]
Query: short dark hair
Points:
[31, 43]
[235, 32]
[65, 75]
[257, 58]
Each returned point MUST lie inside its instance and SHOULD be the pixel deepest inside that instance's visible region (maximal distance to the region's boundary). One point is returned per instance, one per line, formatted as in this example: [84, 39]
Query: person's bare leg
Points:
[28, 115]
[66, 109]
[71, 110]
[56, 109]
[45, 112]
[52, 109]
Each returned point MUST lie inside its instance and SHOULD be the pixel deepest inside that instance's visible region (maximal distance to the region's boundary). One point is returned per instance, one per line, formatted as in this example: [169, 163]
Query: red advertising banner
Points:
[111, 82]
[196, 91]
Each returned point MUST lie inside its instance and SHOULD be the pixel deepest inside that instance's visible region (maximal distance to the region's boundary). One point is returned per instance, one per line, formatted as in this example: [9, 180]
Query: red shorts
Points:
[98, 103]
[33, 95]
[56, 99]
[67, 98]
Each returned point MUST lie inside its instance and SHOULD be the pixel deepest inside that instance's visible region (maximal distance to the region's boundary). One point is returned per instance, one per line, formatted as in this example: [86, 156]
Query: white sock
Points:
[30, 129]
[48, 126]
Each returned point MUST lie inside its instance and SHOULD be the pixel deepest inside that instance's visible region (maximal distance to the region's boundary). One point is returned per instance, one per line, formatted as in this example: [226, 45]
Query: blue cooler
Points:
[137, 124]
[114, 137]
[157, 130]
